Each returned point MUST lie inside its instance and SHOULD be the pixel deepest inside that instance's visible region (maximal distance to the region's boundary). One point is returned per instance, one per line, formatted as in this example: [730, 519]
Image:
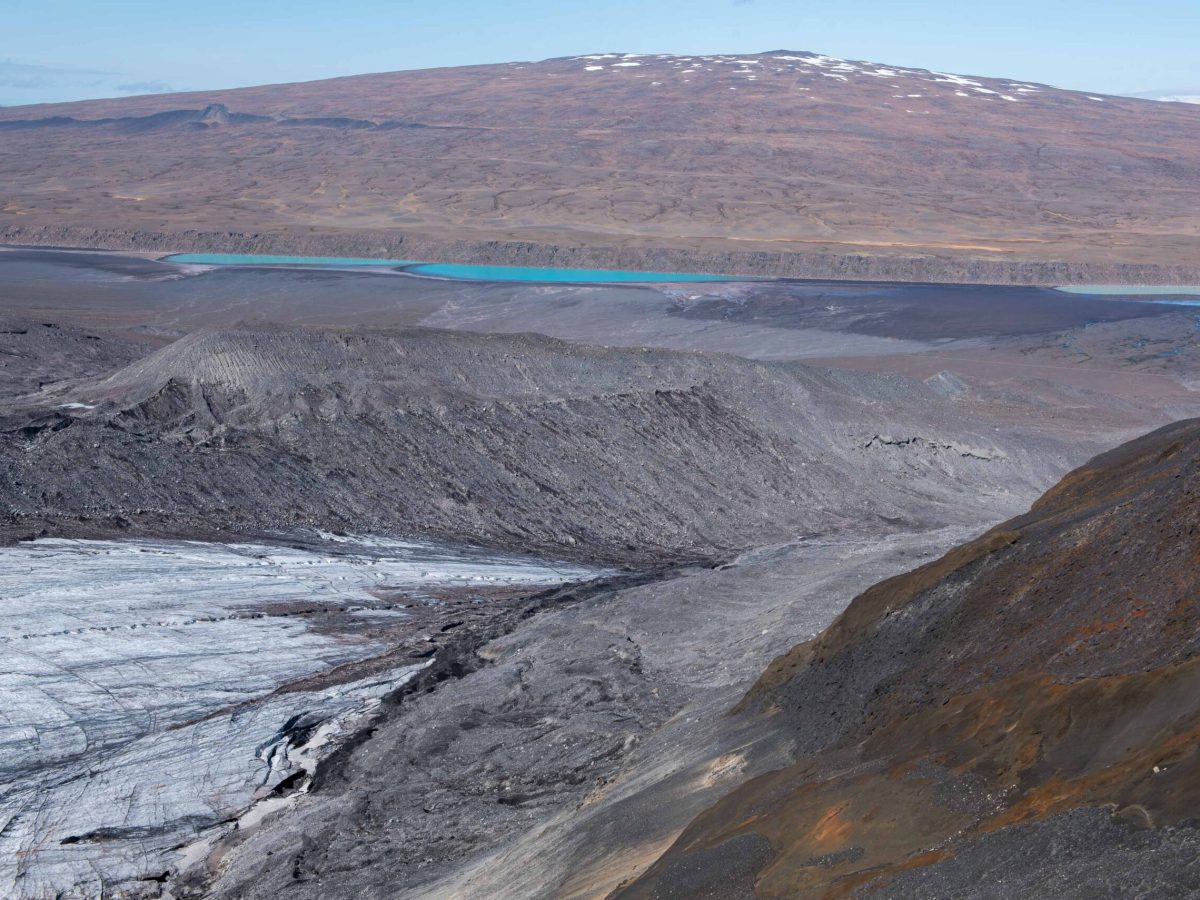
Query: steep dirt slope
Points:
[514, 441]
[1019, 718]
[783, 162]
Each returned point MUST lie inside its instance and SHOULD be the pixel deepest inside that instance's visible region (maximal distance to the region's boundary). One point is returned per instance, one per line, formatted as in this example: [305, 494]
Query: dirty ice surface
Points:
[139, 699]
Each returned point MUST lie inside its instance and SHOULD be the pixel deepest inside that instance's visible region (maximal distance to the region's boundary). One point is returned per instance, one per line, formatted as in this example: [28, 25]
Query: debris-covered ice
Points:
[140, 697]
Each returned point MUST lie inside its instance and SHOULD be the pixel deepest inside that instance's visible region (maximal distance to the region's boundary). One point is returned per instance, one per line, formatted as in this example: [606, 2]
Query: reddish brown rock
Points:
[1038, 681]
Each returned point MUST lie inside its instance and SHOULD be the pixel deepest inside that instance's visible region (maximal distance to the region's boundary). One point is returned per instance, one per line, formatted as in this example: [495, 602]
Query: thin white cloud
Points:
[26, 82]
[1174, 95]
[145, 87]
[23, 76]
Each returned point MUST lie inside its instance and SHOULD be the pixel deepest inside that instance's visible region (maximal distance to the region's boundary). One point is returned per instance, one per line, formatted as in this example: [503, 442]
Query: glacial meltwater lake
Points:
[1133, 290]
[757, 318]
[562, 276]
[463, 272]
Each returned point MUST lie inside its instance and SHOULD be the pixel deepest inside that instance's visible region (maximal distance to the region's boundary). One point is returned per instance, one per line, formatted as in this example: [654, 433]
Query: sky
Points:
[54, 50]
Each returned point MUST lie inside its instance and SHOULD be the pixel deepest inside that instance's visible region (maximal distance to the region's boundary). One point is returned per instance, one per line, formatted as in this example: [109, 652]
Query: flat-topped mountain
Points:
[783, 162]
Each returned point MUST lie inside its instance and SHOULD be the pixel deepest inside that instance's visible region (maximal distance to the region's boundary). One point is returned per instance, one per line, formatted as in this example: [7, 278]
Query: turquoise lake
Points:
[1133, 290]
[529, 274]
[559, 276]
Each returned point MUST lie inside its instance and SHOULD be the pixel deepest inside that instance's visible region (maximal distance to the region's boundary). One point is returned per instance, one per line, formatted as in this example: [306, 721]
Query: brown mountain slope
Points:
[1019, 718]
[781, 162]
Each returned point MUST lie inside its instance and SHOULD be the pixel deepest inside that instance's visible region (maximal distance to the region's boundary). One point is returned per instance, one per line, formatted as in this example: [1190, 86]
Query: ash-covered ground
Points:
[748, 458]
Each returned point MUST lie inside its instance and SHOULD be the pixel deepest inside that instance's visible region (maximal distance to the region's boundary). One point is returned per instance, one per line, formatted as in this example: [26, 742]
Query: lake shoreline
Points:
[870, 267]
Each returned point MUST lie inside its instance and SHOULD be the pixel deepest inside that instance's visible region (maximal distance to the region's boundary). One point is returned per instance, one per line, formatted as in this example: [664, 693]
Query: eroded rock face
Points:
[38, 353]
[968, 722]
[629, 455]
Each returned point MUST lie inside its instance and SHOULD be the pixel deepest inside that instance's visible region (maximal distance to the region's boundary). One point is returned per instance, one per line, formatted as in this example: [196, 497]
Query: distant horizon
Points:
[1176, 94]
[65, 50]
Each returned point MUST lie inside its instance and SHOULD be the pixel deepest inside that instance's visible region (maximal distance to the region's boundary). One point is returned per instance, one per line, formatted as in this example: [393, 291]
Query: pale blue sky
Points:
[73, 49]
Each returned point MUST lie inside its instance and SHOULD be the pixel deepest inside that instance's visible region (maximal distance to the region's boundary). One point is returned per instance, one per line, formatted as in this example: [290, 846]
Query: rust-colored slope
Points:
[1046, 668]
[752, 162]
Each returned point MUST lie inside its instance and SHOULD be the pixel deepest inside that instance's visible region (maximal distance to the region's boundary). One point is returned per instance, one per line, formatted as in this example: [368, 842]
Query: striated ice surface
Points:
[139, 685]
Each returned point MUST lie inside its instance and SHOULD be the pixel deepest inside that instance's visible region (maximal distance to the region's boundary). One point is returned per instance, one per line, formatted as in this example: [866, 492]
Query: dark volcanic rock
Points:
[511, 441]
[34, 354]
[1024, 712]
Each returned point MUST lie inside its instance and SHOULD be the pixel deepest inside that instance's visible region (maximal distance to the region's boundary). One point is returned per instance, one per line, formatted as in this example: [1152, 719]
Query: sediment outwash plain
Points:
[782, 163]
[527, 605]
